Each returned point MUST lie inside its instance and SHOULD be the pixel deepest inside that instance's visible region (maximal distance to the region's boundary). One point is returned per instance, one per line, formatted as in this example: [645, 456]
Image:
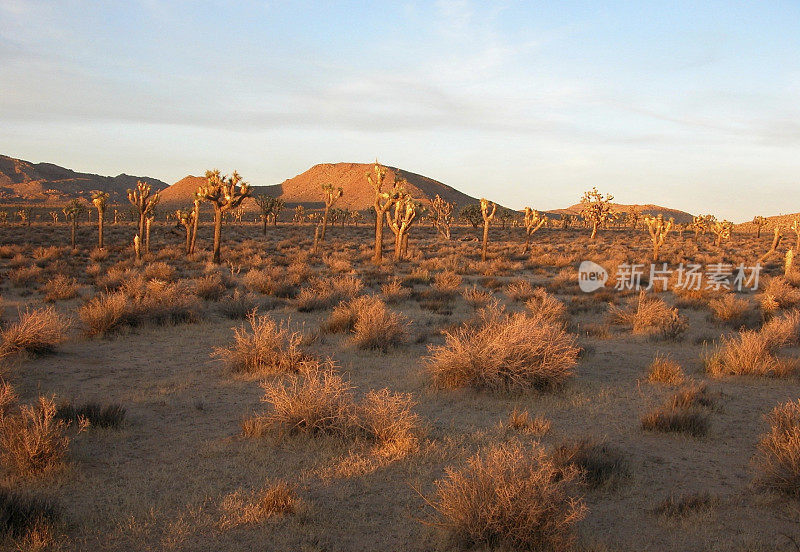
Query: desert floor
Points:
[161, 479]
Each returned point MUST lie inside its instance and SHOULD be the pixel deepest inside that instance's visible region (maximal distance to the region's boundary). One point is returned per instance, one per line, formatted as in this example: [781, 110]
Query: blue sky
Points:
[693, 105]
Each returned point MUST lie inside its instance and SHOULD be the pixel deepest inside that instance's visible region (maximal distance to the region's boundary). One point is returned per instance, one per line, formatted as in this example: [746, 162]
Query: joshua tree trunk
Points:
[324, 222]
[194, 226]
[485, 239]
[147, 224]
[141, 225]
[594, 231]
[217, 233]
[265, 224]
[74, 230]
[100, 229]
[758, 231]
[188, 239]
[404, 248]
[378, 238]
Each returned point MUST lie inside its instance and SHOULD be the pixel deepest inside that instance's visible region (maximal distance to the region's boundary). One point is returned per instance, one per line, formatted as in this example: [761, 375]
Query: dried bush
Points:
[651, 317]
[243, 508]
[60, 288]
[376, 327]
[344, 315]
[24, 276]
[38, 331]
[504, 352]
[778, 457]
[447, 282]
[263, 348]
[665, 370]
[543, 305]
[749, 353]
[519, 290]
[209, 287]
[684, 505]
[476, 297]
[324, 293]
[730, 308]
[521, 421]
[238, 305]
[32, 440]
[159, 271]
[668, 419]
[510, 497]
[22, 514]
[93, 414]
[394, 291]
[387, 419]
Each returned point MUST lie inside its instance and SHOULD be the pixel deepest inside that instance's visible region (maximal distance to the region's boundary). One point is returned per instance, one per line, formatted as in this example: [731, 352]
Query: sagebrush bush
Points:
[753, 353]
[520, 420]
[669, 419]
[651, 317]
[476, 296]
[376, 327]
[388, 419]
[447, 282]
[247, 508]
[504, 352]
[323, 293]
[344, 315]
[665, 370]
[262, 347]
[38, 331]
[394, 291]
[209, 287]
[778, 457]
[543, 305]
[32, 440]
[60, 288]
[519, 290]
[510, 497]
[730, 308]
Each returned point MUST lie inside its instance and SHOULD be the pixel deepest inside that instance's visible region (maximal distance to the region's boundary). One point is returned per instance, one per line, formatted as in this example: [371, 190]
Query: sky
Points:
[690, 105]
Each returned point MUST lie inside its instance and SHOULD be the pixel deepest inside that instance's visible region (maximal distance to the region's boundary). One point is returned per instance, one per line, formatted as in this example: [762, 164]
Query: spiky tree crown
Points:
[221, 190]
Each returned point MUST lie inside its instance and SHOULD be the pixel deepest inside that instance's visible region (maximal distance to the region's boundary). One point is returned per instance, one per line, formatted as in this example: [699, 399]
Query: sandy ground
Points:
[157, 482]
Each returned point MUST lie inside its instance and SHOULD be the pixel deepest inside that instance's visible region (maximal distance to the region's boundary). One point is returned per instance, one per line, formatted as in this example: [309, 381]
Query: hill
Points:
[782, 220]
[681, 217]
[23, 181]
[305, 188]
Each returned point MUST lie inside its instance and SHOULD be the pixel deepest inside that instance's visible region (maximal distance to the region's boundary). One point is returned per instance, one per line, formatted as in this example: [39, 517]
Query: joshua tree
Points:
[596, 209]
[186, 218]
[795, 227]
[633, 217]
[658, 228]
[143, 203]
[71, 212]
[533, 221]
[405, 212]
[99, 199]
[722, 230]
[701, 223]
[54, 216]
[775, 241]
[299, 214]
[269, 207]
[382, 202]
[331, 195]
[759, 221]
[4, 217]
[488, 210]
[24, 215]
[221, 192]
[442, 212]
[472, 214]
[195, 223]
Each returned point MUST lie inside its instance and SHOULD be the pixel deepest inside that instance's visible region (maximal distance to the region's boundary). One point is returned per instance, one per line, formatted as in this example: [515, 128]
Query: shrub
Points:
[598, 462]
[749, 353]
[242, 508]
[476, 297]
[680, 506]
[447, 282]
[376, 327]
[510, 497]
[344, 315]
[694, 395]
[387, 419]
[778, 457]
[38, 331]
[209, 287]
[32, 440]
[264, 348]
[520, 420]
[780, 294]
[730, 308]
[668, 419]
[324, 293]
[665, 370]
[159, 271]
[22, 514]
[269, 282]
[24, 276]
[96, 415]
[238, 305]
[519, 290]
[544, 305]
[394, 291]
[504, 352]
[651, 317]
[60, 288]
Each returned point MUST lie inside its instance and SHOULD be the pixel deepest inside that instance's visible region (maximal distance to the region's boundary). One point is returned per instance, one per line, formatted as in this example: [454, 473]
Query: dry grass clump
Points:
[447, 282]
[323, 293]
[779, 294]
[263, 348]
[22, 516]
[684, 505]
[394, 291]
[685, 412]
[599, 463]
[25, 275]
[521, 421]
[237, 305]
[209, 287]
[344, 315]
[269, 282]
[778, 457]
[38, 331]
[248, 508]
[32, 440]
[651, 317]
[544, 305]
[92, 414]
[730, 308]
[510, 497]
[665, 370]
[319, 400]
[519, 290]
[755, 352]
[376, 327]
[504, 352]
[693, 395]
[159, 270]
[60, 288]
[476, 297]
[156, 302]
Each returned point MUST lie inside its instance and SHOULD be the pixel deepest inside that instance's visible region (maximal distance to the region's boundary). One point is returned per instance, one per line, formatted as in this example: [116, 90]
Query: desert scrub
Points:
[261, 348]
[32, 440]
[394, 291]
[209, 287]
[447, 282]
[730, 309]
[318, 400]
[376, 327]
[686, 411]
[504, 352]
[38, 331]
[598, 462]
[512, 497]
[476, 297]
[778, 457]
[22, 515]
[269, 282]
[651, 317]
[344, 315]
[521, 421]
[60, 288]
[92, 414]
[519, 290]
[543, 305]
[248, 508]
[323, 293]
[665, 370]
